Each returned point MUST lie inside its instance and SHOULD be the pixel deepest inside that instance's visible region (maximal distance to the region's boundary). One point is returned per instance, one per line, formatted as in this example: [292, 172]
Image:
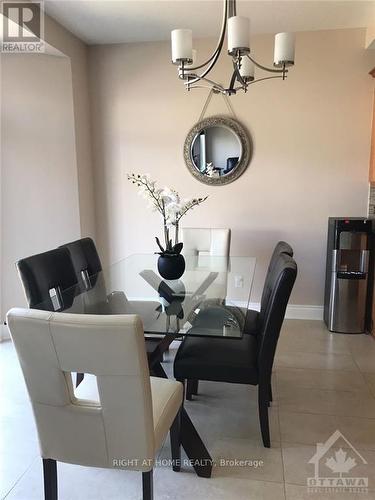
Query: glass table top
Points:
[210, 299]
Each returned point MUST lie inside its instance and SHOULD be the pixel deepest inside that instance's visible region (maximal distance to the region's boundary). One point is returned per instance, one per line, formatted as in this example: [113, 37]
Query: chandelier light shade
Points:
[182, 46]
[284, 50]
[237, 29]
[238, 35]
[247, 69]
[187, 73]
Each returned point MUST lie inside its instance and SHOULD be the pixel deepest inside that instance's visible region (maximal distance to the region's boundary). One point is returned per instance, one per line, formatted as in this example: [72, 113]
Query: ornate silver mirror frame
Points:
[244, 140]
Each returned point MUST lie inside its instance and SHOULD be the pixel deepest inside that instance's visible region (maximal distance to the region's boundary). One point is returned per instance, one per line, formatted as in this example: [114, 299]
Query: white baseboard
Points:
[4, 333]
[295, 311]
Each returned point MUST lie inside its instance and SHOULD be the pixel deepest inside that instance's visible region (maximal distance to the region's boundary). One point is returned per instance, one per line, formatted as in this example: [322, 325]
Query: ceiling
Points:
[108, 21]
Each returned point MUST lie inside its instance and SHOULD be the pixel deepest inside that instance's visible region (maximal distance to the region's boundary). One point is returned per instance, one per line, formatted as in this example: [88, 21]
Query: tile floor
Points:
[322, 383]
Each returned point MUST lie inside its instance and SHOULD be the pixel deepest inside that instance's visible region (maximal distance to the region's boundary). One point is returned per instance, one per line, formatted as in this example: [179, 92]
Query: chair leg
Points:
[79, 378]
[263, 417]
[195, 384]
[184, 389]
[50, 479]
[147, 485]
[175, 435]
[270, 395]
[190, 386]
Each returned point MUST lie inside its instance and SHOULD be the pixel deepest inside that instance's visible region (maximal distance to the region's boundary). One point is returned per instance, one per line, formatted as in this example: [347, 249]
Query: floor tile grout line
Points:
[21, 476]
[323, 389]
[370, 419]
[279, 368]
[296, 444]
[366, 394]
[363, 377]
[284, 350]
[281, 443]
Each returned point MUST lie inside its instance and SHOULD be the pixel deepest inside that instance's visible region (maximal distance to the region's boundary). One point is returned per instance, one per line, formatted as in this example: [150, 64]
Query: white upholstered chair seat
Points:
[166, 400]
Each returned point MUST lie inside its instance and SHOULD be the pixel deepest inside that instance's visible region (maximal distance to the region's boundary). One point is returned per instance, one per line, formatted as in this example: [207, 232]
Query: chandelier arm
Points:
[265, 78]
[237, 75]
[265, 68]
[221, 37]
[197, 78]
[212, 61]
[233, 79]
[207, 80]
[203, 87]
[244, 87]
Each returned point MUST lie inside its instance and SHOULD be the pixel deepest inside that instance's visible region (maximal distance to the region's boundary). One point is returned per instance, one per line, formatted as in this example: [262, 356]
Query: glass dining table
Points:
[210, 300]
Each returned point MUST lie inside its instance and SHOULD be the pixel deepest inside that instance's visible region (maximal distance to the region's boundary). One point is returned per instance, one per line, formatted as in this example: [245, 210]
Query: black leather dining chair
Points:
[248, 360]
[86, 261]
[52, 279]
[254, 318]
[49, 280]
[88, 267]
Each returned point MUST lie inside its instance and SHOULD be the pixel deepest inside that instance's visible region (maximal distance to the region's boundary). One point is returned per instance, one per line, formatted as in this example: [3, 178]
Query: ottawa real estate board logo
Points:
[23, 27]
[338, 467]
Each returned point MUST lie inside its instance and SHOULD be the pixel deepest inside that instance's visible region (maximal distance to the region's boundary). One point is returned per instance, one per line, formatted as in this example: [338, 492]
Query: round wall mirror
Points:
[217, 150]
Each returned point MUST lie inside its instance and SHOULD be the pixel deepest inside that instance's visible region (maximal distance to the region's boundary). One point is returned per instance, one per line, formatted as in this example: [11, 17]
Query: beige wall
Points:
[77, 52]
[311, 138]
[47, 195]
[40, 206]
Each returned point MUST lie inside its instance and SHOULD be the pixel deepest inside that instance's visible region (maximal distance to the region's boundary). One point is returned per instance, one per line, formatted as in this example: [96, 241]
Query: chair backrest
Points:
[282, 280]
[120, 427]
[206, 241]
[86, 261]
[281, 248]
[46, 274]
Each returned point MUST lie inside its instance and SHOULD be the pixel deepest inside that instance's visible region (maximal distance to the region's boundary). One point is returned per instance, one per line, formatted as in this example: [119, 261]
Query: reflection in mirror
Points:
[216, 151]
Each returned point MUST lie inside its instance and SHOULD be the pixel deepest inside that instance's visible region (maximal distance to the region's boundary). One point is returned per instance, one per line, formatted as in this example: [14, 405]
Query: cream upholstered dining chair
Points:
[133, 413]
[206, 241]
[208, 246]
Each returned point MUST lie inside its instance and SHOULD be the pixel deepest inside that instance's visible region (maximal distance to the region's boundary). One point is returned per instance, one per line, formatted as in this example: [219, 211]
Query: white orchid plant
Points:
[168, 203]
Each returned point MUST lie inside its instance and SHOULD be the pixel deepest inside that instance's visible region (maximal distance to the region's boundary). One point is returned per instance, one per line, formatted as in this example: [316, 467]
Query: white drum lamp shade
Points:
[247, 69]
[238, 35]
[194, 55]
[284, 49]
[186, 72]
[182, 46]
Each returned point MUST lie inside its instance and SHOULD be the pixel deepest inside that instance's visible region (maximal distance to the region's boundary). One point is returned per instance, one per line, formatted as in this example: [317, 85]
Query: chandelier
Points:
[244, 64]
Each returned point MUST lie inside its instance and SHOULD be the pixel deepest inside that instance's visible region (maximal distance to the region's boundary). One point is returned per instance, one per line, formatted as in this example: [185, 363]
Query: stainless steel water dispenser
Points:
[346, 290]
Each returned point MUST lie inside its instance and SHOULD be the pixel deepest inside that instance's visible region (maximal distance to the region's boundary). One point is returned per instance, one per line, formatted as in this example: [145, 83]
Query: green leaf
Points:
[177, 248]
[159, 244]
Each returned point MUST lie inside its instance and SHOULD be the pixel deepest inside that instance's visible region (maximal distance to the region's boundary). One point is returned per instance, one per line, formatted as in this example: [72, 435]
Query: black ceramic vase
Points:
[171, 266]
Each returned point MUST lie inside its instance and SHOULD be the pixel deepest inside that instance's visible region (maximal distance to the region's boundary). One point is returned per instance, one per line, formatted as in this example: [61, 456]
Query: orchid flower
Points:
[168, 203]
